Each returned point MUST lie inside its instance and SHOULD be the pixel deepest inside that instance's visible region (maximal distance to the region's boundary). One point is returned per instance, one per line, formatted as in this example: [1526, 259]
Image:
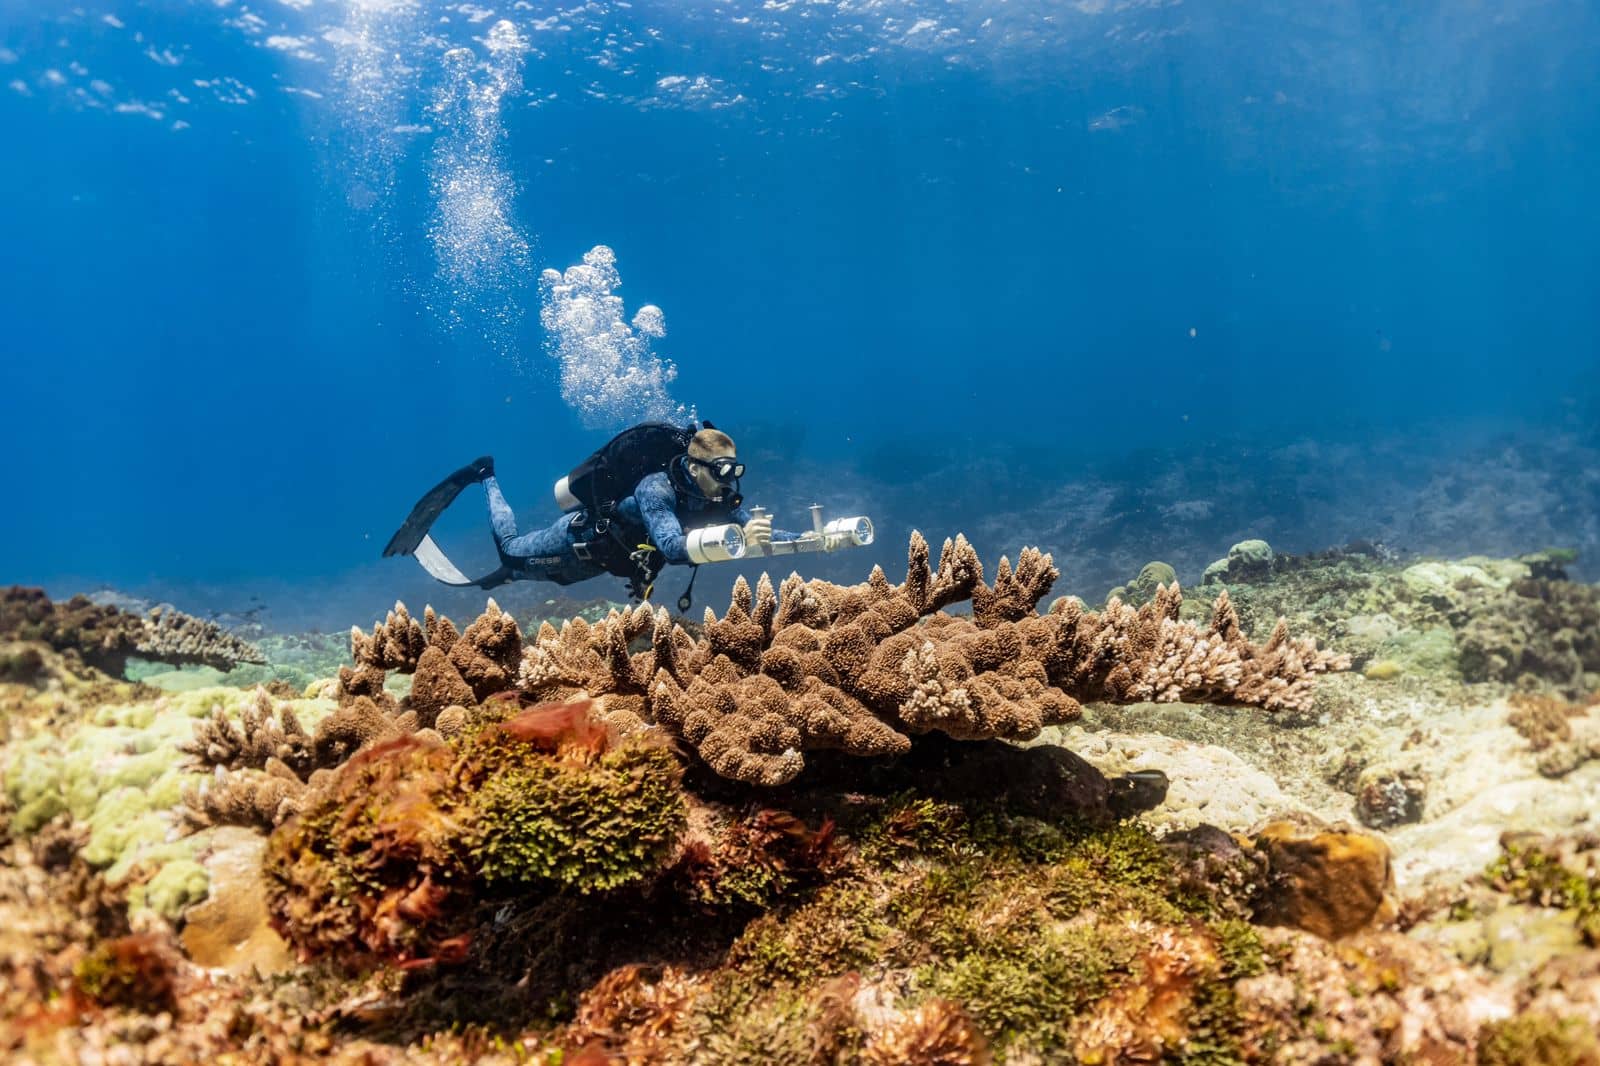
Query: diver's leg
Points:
[542, 547]
[544, 554]
[501, 520]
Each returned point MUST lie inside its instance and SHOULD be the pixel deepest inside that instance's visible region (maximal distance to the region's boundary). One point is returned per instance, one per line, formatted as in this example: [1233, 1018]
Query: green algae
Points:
[417, 832]
[1538, 1038]
[1024, 922]
[1531, 871]
[589, 828]
[737, 1024]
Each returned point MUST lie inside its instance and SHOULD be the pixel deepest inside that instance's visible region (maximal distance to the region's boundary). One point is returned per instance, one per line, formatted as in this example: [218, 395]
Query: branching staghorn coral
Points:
[254, 739]
[105, 637]
[860, 668]
[819, 666]
[265, 769]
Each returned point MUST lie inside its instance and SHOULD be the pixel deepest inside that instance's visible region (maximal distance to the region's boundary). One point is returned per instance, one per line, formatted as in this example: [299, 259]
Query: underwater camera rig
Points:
[726, 543]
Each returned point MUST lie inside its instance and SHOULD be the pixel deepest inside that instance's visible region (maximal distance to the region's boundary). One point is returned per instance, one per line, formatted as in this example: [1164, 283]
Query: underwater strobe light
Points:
[717, 544]
[849, 532]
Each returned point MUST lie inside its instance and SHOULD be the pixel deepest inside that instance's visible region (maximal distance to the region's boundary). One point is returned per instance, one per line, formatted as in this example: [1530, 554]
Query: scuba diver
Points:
[655, 494]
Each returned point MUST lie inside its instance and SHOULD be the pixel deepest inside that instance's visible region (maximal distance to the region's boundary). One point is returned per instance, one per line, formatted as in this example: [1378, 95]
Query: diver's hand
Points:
[758, 531]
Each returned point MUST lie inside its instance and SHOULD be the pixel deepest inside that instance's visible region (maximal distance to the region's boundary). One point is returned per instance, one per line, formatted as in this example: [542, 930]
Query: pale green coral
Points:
[1439, 582]
[179, 885]
[121, 825]
[122, 773]
[1429, 652]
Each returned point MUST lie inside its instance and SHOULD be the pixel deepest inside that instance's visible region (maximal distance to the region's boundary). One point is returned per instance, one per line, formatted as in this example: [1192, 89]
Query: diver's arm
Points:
[658, 510]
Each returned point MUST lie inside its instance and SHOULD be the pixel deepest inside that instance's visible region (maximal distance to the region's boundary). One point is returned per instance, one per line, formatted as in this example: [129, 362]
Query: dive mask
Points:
[725, 469]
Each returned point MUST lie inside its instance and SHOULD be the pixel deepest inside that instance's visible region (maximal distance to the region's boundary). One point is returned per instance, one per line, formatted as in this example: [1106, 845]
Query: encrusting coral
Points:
[813, 666]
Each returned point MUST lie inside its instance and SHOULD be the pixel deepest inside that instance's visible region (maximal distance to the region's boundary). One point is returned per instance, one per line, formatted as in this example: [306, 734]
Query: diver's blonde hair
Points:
[710, 444]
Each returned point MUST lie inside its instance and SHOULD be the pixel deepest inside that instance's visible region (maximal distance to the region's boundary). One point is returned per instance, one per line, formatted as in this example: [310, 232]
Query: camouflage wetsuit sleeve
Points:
[658, 511]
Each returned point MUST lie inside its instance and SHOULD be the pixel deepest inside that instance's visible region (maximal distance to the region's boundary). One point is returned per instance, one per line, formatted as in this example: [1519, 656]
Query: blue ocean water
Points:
[1126, 280]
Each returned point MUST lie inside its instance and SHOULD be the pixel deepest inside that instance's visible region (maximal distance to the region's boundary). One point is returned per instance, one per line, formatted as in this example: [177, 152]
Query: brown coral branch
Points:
[253, 740]
[249, 797]
[105, 637]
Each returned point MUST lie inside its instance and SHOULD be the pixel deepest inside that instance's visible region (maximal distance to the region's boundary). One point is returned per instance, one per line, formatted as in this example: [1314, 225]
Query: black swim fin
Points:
[432, 505]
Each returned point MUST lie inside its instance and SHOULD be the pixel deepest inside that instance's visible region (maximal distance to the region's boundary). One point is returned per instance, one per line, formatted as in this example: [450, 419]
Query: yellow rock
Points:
[230, 929]
[1382, 670]
[1329, 882]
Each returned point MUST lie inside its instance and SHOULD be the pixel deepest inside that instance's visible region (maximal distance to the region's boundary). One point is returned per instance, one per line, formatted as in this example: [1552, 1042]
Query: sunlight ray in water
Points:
[482, 253]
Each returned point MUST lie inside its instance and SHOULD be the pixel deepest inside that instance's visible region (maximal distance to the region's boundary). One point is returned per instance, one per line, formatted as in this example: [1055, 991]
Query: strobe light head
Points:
[715, 544]
[849, 532]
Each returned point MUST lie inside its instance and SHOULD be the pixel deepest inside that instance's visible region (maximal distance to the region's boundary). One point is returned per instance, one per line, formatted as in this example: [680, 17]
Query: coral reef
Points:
[113, 762]
[1544, 629]
[105, 637]
[262, 769]
[1512, 621]
[589, 847]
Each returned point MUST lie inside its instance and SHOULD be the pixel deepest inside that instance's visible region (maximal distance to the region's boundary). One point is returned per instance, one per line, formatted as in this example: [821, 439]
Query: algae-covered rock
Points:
[1539, 1038]
[391, 851]
[1519, 938]
[588, 828]
[1535, 631]
[1207, 783]
[1248, 560]
[1329, 882]
[1553, 871]
[1429, 652]
[1549, 564]
[1445, 584]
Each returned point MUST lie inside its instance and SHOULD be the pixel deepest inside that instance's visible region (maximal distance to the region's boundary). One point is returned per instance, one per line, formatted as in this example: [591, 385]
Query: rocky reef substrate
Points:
[1328, 808]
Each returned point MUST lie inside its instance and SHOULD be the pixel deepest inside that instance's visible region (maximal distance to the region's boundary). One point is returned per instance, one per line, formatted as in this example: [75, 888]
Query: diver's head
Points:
[713, 464]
